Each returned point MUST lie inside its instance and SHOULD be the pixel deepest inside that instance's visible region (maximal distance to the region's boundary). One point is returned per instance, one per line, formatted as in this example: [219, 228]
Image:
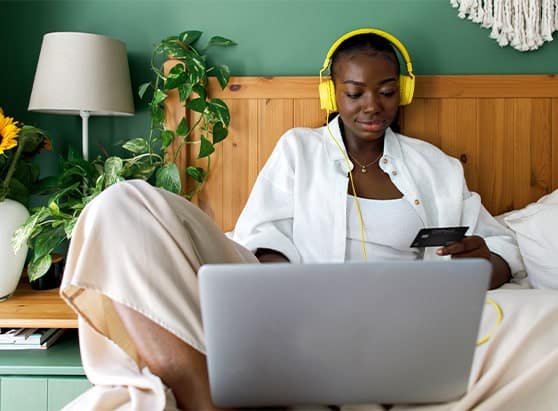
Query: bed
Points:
[503, 128]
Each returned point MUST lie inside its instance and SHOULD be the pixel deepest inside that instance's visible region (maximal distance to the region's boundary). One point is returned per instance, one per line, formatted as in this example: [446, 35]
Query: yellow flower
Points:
[8, 133]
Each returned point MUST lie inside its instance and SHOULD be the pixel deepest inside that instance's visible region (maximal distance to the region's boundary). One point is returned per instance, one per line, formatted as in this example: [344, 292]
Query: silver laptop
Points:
[378, 332]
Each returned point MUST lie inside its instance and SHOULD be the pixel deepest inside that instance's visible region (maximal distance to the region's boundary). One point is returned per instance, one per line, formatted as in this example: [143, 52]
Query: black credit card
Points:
[438, 236]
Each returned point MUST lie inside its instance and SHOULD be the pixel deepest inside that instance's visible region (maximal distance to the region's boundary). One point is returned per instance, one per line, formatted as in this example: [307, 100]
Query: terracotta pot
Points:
[13, 215]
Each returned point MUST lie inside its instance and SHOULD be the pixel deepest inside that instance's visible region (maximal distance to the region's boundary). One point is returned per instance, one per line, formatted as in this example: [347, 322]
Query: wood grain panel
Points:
[466, 140]
[307, 113]
[522, 151]
[541, 147]
[452, 86]
[275, 117]
[210, 199]
[496, 154]
[532, 153]
[281, 87]
[421, 120]
[238, 171]
[504, 129]
[459, 135]
[487, 86]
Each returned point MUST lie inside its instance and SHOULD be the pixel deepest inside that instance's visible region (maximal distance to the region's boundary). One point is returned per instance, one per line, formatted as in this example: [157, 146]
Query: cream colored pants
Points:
[141, 247]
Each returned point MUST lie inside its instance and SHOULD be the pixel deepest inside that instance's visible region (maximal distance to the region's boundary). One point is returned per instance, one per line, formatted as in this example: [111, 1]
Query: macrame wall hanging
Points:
[522, 24]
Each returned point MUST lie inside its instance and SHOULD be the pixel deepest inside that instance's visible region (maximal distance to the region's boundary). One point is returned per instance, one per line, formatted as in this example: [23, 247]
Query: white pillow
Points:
[536, 230]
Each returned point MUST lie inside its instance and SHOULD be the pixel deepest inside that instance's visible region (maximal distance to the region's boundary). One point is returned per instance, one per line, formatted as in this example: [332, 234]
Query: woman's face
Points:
[367, 94]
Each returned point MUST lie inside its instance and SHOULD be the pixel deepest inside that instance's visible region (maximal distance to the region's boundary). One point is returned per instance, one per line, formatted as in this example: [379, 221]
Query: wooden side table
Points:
[36, 309]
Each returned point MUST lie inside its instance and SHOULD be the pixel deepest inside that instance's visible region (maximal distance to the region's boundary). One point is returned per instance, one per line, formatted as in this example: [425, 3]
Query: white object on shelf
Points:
[13, 215]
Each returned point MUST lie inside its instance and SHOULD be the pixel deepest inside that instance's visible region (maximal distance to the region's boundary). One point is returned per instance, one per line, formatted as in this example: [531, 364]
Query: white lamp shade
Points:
[82, 72]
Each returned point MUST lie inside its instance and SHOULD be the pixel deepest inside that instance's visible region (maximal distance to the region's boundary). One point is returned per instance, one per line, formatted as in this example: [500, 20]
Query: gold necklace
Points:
[363, 167]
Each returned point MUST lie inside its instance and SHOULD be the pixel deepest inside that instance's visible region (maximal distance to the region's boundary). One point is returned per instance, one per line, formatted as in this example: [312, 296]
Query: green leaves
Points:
[142, 89]
[182, 128]
[220, 110]
[172, 48]
[197, 104]
[219, 133]
[197, 173]
[206, 148]
[184, 90]
[167, 177]
[136, 145]
[113, 169]
[195, 67]
[176, 77]
[47, 241]
[220, 42]
[158, 97]
[23, 233]
[39, 267]
[223, 74]
[189, 37]
[167, 136]
[70, 190]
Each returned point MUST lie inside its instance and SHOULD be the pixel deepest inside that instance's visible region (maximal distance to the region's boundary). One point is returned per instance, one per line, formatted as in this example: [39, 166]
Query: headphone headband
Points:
[392, 39]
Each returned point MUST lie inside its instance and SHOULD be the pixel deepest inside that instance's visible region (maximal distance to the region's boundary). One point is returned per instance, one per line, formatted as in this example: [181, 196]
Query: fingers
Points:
[469, 247]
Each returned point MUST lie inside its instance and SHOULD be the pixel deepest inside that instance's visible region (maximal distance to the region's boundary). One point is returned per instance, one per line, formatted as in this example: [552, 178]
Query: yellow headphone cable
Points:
[360, 219]
[490, 301]
[499, 318]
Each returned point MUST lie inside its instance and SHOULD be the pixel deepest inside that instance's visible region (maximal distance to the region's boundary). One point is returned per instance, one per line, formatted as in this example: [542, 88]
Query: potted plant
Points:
[151, 158]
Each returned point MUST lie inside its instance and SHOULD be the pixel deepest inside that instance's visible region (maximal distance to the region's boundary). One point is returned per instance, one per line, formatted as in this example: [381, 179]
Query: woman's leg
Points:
[517, 369]
[181, 368]
[131, 276]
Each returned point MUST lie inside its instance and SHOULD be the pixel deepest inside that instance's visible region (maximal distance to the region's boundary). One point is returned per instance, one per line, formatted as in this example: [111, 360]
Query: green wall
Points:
[276, 37]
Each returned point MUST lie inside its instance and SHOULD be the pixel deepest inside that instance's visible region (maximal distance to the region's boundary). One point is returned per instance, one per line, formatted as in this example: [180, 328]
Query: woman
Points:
[131, 268]
[402, 184]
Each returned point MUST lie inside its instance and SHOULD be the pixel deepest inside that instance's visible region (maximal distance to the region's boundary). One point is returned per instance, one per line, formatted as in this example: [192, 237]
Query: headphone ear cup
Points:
[327, 96]
[406, 89]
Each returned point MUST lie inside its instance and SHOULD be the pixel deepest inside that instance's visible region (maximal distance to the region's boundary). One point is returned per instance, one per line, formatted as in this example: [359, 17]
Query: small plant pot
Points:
[53, 277]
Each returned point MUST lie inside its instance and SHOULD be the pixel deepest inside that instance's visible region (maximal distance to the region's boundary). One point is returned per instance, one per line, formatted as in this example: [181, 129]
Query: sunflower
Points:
[8, 133]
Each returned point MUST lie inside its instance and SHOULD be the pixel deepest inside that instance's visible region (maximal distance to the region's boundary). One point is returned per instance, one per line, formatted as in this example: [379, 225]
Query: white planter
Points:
[12, 216]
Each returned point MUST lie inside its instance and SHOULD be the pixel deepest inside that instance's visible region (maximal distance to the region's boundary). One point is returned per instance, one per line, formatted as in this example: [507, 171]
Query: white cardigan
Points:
[298, 203]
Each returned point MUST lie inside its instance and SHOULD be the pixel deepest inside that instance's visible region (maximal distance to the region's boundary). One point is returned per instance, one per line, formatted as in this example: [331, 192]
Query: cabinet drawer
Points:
[39, 393]
[23, 394]
[62, 390]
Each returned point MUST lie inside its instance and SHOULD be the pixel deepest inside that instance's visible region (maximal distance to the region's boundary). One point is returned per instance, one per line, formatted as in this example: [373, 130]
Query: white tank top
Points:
[389, 228]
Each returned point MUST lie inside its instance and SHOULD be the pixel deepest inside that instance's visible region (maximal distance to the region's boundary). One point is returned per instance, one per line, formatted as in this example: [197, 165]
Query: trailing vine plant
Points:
[189, 77]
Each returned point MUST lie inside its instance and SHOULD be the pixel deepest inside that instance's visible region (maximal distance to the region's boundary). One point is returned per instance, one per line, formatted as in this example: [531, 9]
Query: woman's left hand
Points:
[469, 247]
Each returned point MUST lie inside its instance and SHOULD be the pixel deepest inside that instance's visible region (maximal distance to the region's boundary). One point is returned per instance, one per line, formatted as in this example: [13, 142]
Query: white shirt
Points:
[389, 228]
[298, 203]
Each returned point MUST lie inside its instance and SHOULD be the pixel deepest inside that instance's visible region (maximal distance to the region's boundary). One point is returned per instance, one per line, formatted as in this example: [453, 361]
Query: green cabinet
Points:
[42, 380]
[23, 393]
[62, 390]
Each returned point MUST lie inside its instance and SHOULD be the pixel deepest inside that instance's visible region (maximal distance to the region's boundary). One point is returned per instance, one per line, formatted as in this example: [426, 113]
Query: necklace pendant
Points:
[363, 170]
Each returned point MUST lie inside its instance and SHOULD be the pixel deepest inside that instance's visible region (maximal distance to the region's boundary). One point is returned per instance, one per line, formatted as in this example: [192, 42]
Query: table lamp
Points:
[85, 74]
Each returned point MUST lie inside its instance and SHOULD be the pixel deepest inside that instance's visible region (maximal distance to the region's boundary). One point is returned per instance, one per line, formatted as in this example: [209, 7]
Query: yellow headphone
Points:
[406, 82]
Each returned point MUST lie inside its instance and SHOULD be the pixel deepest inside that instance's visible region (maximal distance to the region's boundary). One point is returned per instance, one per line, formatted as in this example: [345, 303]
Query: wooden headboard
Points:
[504, 129]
